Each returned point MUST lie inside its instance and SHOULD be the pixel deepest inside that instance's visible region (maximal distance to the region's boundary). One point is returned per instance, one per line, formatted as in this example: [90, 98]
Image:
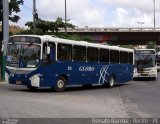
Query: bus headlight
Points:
[135, 70]
[153, 71]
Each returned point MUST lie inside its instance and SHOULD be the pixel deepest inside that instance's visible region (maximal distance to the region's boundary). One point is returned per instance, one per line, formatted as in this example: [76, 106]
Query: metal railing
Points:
[112, 29]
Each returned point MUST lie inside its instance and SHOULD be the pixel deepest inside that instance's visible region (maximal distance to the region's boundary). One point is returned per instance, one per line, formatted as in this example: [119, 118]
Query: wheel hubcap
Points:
[111, 81]
[60, 84]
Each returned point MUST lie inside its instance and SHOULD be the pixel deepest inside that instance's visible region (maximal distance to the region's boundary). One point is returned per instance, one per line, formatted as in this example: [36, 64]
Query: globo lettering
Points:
[88, 68]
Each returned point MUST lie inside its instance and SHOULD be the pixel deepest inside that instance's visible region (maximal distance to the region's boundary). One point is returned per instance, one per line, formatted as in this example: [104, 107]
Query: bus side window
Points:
[123, 57]
[104, 55]
[92, 54]
[114, 56]
[52, 54]
[130, 58]
[49, 52]
[79, 53]
[64, 52]
[45, 51]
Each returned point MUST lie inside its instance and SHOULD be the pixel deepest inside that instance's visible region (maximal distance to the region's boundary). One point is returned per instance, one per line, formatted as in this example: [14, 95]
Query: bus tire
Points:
[111, 81]
[60, 84]
[153, 78]
[32, 88]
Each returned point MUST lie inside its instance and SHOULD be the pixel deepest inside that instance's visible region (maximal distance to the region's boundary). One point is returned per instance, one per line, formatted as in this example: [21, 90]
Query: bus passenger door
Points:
[48, 63]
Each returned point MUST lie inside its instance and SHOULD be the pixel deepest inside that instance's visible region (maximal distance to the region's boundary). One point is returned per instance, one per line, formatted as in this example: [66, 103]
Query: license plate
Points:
[18, 82]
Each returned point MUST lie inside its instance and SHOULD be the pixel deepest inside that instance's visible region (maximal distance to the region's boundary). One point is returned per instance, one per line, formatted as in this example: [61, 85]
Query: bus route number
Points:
[69, 68]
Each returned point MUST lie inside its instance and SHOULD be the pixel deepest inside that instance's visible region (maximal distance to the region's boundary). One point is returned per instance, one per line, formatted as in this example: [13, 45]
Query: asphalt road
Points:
[138, 99]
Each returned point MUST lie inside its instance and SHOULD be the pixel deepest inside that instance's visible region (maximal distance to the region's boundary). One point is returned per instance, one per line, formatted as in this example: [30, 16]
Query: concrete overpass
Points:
[119, 36]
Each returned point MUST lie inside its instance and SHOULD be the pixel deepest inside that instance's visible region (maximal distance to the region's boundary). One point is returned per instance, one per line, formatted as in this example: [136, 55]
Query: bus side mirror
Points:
[44, 56]
[48, 50]
[45, 60]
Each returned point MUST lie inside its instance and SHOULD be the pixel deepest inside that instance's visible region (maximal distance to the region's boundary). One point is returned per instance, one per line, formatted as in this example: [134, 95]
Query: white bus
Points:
[145, 64]
[158, 61]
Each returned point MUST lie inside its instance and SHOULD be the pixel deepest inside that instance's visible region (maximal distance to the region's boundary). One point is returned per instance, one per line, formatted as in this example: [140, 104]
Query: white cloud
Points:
[132, 11]
[81, 12]
[142, 5]
[124, 18]
[95, 13]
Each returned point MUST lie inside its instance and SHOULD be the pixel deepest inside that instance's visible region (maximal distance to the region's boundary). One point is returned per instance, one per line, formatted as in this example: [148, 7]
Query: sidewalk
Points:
[2, 82]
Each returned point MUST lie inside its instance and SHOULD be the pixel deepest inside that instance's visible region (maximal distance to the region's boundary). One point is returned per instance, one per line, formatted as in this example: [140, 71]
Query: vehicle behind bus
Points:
[45, 61]
[158, 61]
[158, 66]
[145, 64]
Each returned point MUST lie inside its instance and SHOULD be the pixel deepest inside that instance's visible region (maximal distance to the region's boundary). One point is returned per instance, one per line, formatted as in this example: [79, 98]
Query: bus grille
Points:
[144, 74]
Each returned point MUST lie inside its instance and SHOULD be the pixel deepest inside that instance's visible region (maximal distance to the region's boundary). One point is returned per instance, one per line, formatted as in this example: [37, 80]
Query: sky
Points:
[95, 13]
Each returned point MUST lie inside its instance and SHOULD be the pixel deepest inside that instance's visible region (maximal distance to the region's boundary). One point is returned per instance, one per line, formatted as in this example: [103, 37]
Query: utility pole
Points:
[34, 16]
[154, 6]
[154, 14]
[65, 17]
[1, 38]
[5, 33]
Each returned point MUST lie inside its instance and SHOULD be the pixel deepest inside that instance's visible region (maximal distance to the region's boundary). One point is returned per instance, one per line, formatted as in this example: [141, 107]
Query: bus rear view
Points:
[145, 64]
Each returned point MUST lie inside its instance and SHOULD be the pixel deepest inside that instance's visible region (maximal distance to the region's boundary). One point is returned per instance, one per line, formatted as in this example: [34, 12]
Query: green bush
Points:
[30, 32]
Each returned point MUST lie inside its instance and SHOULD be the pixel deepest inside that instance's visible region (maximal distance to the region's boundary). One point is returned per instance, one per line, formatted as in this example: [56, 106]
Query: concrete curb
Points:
[3, 82]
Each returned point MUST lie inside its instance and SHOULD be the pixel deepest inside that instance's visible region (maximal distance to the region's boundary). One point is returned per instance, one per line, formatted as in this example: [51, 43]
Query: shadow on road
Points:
[68, 89]
[143, 79]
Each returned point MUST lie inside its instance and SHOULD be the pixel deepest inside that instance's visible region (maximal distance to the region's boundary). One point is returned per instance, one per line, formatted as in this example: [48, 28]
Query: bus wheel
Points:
[111, 81]
[154, 78]
[60, 84]
[32, 88]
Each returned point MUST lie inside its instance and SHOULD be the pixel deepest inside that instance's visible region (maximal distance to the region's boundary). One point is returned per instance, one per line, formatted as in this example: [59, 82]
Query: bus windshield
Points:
[23, 55]
[147, 61]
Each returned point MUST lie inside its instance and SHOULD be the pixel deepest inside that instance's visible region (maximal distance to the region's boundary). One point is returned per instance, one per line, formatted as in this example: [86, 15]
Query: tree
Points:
[42, 27]
[13, 10]
[150, 46]
[49, 25]
[14, 7]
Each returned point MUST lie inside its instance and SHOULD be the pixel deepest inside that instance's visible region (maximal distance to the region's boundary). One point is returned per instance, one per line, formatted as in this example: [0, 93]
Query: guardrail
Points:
[132, 29]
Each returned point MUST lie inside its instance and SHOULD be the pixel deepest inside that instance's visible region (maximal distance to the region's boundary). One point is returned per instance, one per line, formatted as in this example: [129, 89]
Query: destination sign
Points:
[27, 39]
[145, 52]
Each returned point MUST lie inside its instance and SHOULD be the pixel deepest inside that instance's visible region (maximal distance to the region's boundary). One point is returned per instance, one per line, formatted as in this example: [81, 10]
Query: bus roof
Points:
[46, 38]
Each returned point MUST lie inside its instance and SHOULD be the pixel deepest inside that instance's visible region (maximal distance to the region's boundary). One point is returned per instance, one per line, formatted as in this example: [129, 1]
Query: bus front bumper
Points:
[32, 81]
[140, 75]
